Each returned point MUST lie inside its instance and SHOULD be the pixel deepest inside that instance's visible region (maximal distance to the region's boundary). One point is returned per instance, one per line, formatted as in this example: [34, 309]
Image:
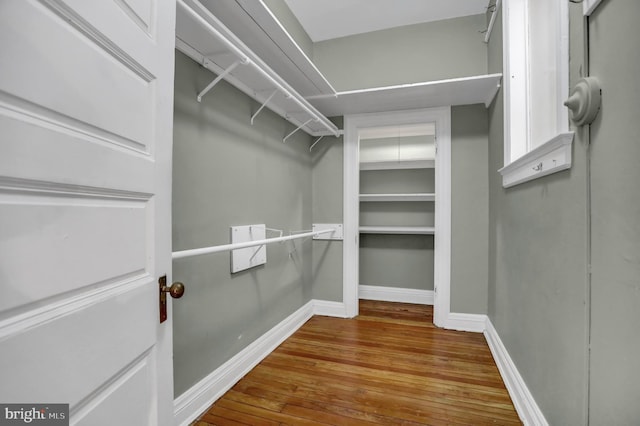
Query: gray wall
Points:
[400, 261]
[327, 193]
[614, 35]
[538, 263]
[422, 52]
[227, 172]
[469, 209]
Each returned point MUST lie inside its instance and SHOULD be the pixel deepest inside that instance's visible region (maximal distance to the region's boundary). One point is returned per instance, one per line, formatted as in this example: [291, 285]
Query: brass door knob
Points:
[176, 290]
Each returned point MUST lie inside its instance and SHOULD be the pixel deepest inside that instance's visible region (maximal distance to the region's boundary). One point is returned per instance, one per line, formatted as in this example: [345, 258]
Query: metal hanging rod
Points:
[228, 247]
[217, 29]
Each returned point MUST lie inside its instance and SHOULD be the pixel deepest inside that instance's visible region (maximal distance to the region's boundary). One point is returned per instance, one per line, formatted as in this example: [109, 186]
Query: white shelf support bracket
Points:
[284, 140]
[331, 231]
[220, 77]
[263, 105]
[314, 144]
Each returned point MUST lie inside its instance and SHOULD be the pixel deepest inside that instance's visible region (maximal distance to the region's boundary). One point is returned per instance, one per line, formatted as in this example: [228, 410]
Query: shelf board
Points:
[480, 89]
[398, 197]
[203, 37]
[402, 230]
[397, 165]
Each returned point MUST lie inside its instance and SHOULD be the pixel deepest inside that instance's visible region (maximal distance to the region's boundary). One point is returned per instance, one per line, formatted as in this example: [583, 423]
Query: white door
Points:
[86, 100]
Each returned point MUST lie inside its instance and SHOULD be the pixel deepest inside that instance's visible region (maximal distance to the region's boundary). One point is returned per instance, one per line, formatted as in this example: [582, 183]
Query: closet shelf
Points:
[480, 89]
[398, 230]
[396, 165]
[201, 36]
[253, 22]
[397, 197]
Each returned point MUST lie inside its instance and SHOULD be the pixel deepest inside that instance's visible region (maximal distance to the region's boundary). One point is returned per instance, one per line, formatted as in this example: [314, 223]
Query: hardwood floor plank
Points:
[388, 366]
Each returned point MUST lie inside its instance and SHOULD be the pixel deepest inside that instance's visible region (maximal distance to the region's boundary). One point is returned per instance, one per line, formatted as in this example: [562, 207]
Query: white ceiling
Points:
[328, 19]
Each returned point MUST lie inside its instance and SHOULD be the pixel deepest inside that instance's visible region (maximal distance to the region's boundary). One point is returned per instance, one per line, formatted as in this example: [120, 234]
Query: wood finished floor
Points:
[388, 366]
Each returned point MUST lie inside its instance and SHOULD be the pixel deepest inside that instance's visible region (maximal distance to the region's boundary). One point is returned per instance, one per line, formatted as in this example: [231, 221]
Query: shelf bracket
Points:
[263, 105]
[299, 127]
[220, 77]
[314, 144]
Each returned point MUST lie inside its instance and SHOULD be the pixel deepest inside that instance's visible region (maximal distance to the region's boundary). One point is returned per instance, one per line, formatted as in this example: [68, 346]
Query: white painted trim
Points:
[551, 157]
[515, 55]
[525, 405]
[589, 6]
[442, 237]
[441, 116]
[517, 77]
[475, 323]
[330, 309]
[196, 400]
[393, 294]
[351, 212]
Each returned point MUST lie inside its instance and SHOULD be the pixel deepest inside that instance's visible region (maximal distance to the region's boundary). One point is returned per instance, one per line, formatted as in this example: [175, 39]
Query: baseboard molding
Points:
[192, 403]
[475, 323]
[526, 406]
[329, 309]
[392, 294]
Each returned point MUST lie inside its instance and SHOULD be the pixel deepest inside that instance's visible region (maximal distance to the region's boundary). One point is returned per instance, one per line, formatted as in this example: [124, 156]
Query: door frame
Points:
[351, 202]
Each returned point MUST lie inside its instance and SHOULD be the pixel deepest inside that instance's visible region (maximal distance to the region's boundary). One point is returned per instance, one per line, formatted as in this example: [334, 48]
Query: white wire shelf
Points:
[203, 37]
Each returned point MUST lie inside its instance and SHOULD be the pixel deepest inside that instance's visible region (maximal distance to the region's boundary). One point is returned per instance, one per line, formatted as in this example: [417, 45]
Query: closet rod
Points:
[262, 68]
[228, 247]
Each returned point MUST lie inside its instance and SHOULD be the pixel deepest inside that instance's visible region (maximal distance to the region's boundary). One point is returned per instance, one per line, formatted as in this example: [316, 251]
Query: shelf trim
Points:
[397, 164]
[398, 230]
[421, 196]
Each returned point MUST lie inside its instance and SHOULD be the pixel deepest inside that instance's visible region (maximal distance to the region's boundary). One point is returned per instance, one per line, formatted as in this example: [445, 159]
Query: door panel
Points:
[73, 230]
[88, 85]
[615, 178]
[104, 332]
[86, 103]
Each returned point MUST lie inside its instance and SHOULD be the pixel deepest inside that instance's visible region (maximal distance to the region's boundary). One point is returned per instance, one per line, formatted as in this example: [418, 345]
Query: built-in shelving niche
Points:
[397, 206]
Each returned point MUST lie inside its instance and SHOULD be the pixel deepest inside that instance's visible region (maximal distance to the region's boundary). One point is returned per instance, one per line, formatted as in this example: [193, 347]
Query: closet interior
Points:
[255, 151]
[397, 207]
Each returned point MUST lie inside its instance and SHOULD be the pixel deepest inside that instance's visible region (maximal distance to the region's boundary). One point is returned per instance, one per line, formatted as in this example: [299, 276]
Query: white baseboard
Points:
[392, 294]
[194, 402]
[475, 323]
[329, 309]
[526, 406]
